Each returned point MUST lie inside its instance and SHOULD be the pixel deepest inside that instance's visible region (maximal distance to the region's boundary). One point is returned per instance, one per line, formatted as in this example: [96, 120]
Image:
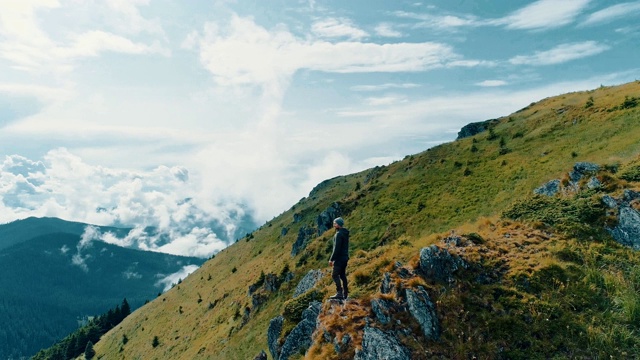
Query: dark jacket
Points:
[340, 245]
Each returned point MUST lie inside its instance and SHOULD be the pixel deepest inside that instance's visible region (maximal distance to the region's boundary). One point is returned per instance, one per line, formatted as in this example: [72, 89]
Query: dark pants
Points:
[340, 274]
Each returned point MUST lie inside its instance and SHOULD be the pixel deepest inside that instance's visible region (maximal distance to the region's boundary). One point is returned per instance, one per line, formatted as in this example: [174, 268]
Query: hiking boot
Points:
[337, 296]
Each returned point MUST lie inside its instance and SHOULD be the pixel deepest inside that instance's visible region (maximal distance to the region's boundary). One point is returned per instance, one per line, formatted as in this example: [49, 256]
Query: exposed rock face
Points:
[423, 310]
[284, 231]
[325, 219]
[594, 183]
[273, 334]
[304, 235]
[581, 169]
[438, 264]
[377, 344]
[473, 129]
[627, 231]
[308, 281]
[549, 189]
[373, 174]
[300, 337]
[385, 286]
[380, 309]
[343, 344]
[271, 282]
[261, 356]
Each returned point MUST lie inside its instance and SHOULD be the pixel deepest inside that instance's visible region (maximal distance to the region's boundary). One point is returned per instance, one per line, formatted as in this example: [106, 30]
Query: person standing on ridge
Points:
[339, 258]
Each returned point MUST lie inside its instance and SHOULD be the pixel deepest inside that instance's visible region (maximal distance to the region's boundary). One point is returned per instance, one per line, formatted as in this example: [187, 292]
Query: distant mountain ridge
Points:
[48, 280]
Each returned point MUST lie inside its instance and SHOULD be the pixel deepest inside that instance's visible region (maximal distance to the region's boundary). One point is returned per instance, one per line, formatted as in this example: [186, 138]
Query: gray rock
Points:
[609, 201]
[549, 189]
[423, 310]
[586, 167]
[261, 356]
[380, 309]
[308, 281]
[271, 282]
[581, 169]
[273, 334]
[386, 285]
[300, 337]
[630, 195]
[343, 344]
[627, 231]
[324, 221]
[379, 345]
[474, 128]
[594, 183]
[305, 234]
[284, 231]
[438, 264]
[297, 217]
[453, 240]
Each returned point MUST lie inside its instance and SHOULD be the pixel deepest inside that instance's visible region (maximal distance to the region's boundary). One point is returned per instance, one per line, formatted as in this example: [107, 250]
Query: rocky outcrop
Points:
[324, 221]
[474, 128]
[386, 285]
[438, 264]
[549, 189]
[273, 334]
[582, 169]
[422, 309]
[300, 337]
[261, 356]
[380, 309]
[377, 344]
[305, 235]
[579, 171]
[308, 281]
[627, 230]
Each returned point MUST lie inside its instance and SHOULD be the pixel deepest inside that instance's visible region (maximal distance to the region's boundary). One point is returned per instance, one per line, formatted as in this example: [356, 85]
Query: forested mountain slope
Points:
[522, 275]
[49, 282]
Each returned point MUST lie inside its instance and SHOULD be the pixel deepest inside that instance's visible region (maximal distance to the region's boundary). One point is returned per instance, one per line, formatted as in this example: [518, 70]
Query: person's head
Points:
[338, 223]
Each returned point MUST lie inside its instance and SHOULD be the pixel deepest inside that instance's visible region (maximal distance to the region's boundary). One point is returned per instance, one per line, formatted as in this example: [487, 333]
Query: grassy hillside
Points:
[394, 211]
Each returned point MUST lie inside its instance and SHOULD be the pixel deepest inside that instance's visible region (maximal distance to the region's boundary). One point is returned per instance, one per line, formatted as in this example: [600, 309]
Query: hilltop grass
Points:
[393, 211]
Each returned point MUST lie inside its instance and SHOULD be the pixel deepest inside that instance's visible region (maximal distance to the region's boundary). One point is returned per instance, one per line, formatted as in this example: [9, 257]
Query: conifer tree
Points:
[89, 353]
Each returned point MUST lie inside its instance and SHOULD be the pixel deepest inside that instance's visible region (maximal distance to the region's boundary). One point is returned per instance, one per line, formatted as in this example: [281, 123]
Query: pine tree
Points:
[125, 309]
[89, 353]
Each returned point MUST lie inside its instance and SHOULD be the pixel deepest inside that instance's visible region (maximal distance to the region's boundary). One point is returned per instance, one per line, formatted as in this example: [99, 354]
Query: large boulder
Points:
[377, 345]
[308, 282]
[549, 189]
[581, 169]
[380, 308]
[422, 309]
[305, 235]
[324, 221]
[300, 338]
[273, 334]
[627, 231]
[438, 264]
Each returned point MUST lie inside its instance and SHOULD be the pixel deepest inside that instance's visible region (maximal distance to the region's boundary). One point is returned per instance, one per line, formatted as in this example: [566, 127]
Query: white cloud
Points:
[613, 13]
[387, 30]
[33, 49]
[492, 83]
[168, 281]
[246, 53]
[163, 198]
[544, 14]
[561, 54]
[337, 28]
[442, 22]
[385, 86]
[385, 100]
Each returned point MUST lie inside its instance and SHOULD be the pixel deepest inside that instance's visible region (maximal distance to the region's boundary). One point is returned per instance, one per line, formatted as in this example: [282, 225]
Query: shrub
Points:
[293, 308]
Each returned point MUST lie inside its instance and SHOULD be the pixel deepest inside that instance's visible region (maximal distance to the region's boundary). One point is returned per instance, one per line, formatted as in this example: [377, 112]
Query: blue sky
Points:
[180, 114]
